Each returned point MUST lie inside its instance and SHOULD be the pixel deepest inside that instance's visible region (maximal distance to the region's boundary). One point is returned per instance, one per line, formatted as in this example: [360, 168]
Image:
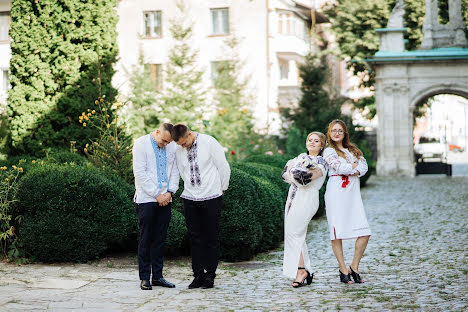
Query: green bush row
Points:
[75, 212]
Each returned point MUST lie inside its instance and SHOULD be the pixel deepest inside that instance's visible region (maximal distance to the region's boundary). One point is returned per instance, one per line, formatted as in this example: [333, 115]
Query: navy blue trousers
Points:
[202, 219]
[154, 222]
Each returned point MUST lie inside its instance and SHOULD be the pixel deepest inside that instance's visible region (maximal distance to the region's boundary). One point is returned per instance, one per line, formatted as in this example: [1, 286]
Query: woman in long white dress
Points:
[306, 174]
[345, 212]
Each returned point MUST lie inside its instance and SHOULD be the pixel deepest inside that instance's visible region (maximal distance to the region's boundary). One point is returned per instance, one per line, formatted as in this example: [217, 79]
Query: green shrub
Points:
[66, 157]
[72, 213]
[177, 236]
[272, 160]
[240, 226]
[177, 202]
[265, 171]
[271, 215]
[272, 195]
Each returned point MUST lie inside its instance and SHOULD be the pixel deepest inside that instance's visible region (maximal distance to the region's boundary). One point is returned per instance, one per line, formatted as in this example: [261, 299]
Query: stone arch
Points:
[441, 88]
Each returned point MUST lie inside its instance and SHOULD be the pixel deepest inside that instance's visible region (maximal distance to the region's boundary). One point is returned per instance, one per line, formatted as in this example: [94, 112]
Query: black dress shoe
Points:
[145, 285]
[208, 283]
[162, 282]
[197, 281]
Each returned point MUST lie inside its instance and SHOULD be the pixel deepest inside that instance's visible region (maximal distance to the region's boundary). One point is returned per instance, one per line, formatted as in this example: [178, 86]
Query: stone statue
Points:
[443, 36]
[396, 17]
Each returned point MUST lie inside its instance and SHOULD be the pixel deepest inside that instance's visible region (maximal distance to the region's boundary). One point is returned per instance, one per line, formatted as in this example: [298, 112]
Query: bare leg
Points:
[301, 274]
[359, 247]
[337, 247]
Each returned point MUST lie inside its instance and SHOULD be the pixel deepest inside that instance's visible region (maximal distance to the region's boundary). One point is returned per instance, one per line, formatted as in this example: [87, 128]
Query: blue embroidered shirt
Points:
[161, 163]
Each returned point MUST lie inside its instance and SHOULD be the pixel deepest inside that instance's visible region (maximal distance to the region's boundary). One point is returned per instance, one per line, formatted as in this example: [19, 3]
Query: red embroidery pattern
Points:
[344, 178]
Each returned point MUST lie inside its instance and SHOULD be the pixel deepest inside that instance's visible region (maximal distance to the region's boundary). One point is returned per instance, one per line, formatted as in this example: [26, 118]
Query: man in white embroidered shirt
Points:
[156, 180]
[205, 171]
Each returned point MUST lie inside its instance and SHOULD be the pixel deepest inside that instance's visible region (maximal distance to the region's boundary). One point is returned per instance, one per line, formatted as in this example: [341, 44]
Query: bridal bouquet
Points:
[299, 169]
[302, 170]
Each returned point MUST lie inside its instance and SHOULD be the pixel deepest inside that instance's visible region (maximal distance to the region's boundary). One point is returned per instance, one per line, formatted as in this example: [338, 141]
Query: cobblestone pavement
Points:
[416, 260]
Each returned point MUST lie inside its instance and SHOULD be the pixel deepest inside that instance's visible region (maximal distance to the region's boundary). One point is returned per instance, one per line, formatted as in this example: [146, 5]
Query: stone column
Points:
[395, 133]
[430, 23]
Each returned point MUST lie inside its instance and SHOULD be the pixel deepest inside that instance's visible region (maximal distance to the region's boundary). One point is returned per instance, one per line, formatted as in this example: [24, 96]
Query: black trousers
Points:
[154, 222]
[202, 219]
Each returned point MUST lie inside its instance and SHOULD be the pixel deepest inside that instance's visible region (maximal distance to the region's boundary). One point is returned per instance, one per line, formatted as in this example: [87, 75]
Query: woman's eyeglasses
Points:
[337, 131]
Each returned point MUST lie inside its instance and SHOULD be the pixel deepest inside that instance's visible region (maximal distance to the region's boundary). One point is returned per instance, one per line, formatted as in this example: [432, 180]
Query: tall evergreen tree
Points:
[232, 123]
[62, 57]
[183, 98]
[143, 100]
[316, 108]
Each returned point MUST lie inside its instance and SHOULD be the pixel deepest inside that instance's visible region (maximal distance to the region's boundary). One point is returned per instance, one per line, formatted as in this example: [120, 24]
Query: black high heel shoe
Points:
[356, 276]
[306, 281]
[345, 278]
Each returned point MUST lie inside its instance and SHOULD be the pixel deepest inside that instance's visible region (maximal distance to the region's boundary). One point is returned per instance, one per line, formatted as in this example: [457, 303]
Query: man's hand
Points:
[164, 199]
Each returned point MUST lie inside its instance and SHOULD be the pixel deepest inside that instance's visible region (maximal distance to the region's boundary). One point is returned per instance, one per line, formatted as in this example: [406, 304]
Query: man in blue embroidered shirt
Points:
[156, 180]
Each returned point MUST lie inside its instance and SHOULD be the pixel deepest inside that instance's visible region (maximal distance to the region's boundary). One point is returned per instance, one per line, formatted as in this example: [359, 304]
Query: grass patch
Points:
[382, 299]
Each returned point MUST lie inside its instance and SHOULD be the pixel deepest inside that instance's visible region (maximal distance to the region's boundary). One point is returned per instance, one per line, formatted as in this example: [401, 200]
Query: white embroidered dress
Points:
[345, 212]
[301, 206]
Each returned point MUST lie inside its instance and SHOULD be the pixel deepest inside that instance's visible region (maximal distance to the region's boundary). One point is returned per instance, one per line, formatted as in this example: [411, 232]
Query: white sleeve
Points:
[337, 163]
[140, 170]
[322, 164]
[219, 160]
[174, 178]
[286, 174]
[362, 166]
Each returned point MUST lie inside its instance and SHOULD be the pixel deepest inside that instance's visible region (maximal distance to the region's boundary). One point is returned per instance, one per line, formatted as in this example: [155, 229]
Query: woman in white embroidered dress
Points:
[345, 212]
[306, 174]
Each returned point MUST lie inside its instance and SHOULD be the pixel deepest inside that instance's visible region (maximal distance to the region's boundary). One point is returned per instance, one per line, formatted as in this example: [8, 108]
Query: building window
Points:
[4, 25]
[154, 71]
[285, 23]
[220, 21]
[284, 70]
[4, 81]
[153, 27]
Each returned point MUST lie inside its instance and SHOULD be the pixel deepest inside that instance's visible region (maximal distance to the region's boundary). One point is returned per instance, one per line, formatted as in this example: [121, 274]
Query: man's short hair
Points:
[179, 131]
[167, 127]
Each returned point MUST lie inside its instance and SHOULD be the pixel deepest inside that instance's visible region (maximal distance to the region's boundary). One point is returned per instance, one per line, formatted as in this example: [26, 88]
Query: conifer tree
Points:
[183, 97]
[232, 123]
[143, 109]
[62, 57]
[315, 109]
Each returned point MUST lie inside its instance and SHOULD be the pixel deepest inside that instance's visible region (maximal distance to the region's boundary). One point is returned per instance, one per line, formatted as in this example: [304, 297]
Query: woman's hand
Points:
[355, 164]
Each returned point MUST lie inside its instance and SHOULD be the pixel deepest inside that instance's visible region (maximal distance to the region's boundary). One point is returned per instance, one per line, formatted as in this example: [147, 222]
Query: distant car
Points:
[430, 148]
[455, 148]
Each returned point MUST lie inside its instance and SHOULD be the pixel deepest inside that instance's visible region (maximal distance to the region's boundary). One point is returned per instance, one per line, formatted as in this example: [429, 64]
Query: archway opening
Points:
[440, 134]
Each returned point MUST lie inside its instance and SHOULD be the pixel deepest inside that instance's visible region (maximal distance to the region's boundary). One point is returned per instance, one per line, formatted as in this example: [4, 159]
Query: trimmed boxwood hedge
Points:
[240, 224]
[267, 172]
[177, 236]
[72, 213]
[272, 160]
[66, 157]
[271, 214]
